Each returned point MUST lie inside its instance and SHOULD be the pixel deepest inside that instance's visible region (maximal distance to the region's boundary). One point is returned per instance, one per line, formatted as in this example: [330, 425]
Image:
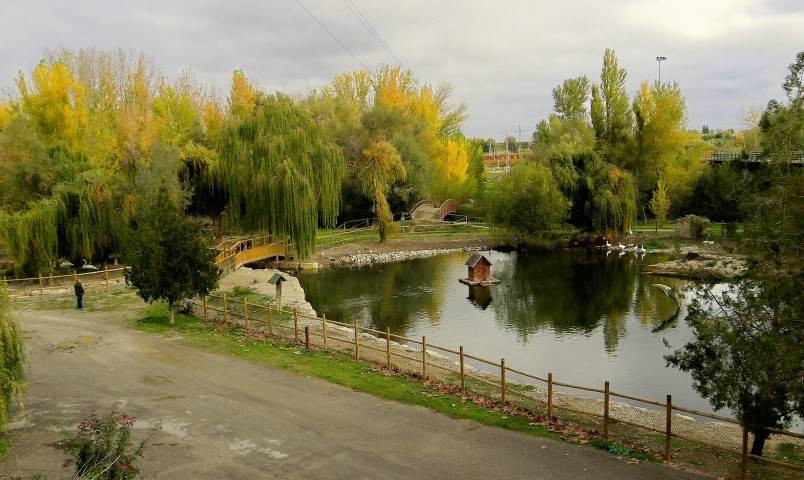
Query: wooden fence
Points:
[367, 230]
[498, 380]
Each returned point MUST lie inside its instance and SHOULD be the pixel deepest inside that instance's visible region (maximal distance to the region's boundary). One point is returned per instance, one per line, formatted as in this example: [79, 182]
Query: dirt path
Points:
[226, 418]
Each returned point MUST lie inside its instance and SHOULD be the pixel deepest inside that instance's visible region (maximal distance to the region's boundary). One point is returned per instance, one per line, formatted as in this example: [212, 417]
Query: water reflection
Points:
[585, 316]
[573, 292]
[479, 296]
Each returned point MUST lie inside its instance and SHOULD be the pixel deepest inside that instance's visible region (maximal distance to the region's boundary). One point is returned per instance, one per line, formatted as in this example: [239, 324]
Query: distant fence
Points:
[40, 284]
[366, 229]
[615, 412]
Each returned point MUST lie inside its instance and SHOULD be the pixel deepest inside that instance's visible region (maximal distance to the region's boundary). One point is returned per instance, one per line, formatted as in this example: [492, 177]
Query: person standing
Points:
[79, 293]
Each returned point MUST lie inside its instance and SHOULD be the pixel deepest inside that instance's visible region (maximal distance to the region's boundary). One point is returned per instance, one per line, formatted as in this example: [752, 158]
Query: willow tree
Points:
[378, 167]
[611, 195]
[280, 171]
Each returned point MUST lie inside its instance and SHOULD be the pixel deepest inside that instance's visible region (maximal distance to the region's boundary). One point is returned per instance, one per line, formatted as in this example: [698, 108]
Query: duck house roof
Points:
[477, 258]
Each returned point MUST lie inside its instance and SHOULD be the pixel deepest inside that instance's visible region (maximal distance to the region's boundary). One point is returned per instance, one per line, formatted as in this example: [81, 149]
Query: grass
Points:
[334, 367]
[5, 448]
[655, 244]
[620, 450]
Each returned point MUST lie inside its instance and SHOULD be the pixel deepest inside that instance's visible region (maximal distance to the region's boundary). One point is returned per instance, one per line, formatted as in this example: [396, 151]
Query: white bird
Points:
[630, 247]
[621, 247]
[86, 265]
[66, 264]
[641, 249]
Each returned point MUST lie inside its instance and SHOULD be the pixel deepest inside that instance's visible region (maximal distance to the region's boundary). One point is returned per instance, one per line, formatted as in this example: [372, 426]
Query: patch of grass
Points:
[5, 448]
[334, 367]
[621, 450]
[789, 452]
[655, 244]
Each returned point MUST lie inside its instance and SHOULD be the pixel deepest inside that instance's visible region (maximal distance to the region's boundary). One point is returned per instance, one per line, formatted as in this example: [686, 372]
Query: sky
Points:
[503, 58]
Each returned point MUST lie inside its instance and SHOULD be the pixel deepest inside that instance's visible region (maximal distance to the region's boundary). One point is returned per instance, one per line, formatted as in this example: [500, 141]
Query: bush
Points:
[692, 226]
[102, 445]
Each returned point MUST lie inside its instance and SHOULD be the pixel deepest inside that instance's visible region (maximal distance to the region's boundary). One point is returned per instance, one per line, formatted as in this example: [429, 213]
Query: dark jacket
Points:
[79, 289]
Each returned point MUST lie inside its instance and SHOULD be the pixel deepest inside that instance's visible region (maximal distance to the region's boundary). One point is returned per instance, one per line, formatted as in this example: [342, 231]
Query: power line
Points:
[373, 31]
[343, 45]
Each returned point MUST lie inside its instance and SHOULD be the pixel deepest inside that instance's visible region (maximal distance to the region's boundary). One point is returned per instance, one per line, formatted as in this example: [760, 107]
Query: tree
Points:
[746, 352]
[281, 171]
[660, 203]
[511, 144]
[665, 149]
[527, 200]
[168, 256]
[378, 167]
[611, 114]
[609, 195]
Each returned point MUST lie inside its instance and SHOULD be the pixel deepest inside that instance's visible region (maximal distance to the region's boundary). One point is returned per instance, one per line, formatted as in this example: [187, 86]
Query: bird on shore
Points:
[641, 250]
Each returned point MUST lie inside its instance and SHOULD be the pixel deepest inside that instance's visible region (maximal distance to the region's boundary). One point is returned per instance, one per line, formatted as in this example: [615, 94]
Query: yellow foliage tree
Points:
[54, 99]
[379, 166]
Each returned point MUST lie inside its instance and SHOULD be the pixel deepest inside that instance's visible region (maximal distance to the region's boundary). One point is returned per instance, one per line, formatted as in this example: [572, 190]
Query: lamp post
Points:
[659, 60]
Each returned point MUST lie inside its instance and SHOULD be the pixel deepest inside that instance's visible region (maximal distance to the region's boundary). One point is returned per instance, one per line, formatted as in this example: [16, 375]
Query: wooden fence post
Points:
[668, 428]
[225, 309]
[75, 276]
[460, 355]
[40, 284]
[424, 358]
[388, 346]
[270, 327]
[295, 325]
[357, 343]
[307, 337]
[606, 410]
[502, 379]
[744, 466]
[324, 328]
[245, 311]
[106, 276]
[204, 298]
[550, 395]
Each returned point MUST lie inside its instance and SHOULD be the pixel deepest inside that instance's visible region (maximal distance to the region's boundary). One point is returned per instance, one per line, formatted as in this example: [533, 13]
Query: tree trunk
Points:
[760, 435]
[170, 308]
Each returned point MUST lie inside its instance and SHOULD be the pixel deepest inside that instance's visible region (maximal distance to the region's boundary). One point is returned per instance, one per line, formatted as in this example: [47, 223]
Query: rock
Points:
[692, 256]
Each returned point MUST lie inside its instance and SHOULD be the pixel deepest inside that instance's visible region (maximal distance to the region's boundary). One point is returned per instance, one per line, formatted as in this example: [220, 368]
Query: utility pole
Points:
[659, 60]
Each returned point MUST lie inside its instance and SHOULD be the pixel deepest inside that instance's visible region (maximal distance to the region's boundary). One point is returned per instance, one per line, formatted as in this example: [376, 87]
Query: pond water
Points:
[582, 315]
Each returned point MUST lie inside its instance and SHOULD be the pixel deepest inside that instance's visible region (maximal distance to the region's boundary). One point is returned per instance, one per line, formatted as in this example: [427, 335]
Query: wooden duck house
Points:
[479, 271]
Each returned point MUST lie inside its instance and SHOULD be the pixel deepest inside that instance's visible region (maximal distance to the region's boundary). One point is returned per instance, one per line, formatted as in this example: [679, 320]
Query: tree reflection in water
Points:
[569, 292]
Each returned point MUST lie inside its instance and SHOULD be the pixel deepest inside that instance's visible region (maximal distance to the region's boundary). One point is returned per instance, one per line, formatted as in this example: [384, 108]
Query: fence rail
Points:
[496, 379]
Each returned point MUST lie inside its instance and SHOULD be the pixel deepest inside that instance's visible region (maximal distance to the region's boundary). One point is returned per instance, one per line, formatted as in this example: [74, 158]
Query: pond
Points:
[583, 315]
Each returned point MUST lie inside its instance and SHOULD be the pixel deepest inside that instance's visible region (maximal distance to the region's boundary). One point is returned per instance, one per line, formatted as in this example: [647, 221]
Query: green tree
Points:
[609, 194]
[611, 114]
[281, 171]
[378, 167]
[527, 201]
[660, 203]
[168, 256]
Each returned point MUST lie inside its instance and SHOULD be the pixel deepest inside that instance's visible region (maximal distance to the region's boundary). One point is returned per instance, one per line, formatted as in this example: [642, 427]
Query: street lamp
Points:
[659, 60]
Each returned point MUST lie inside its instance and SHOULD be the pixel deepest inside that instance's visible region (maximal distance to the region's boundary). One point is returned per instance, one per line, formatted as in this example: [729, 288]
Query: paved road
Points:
[225, 418]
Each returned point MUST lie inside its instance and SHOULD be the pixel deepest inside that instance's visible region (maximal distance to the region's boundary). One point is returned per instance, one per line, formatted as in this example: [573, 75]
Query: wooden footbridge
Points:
[233, 253]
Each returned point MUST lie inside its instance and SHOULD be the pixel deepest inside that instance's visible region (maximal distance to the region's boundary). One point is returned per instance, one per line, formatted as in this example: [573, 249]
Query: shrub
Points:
[692, 226]
[102, 447]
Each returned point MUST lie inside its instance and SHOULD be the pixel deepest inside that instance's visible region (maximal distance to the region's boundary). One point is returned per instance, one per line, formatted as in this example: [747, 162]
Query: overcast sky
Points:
[503, 58]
